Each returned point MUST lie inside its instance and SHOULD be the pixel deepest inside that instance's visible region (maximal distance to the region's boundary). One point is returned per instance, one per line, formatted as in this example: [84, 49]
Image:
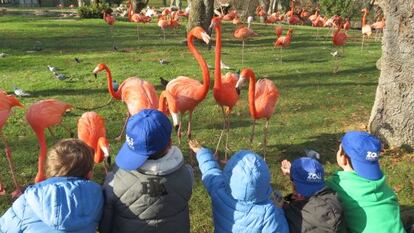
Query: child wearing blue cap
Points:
[150, 185]
[369, 204]
[312, 207]
[240, 194]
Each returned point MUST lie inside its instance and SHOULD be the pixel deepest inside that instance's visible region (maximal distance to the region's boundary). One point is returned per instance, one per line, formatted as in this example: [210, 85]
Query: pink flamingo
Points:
[263, 97]
[137, 94]
[366, 28]
[224, 90]
[41, 115]
[283, 42]
[339, 38]
[278, 31]
[378, 26]
[136, 18]
[243, 33]
[110, 20]
[91, 130]
[347, 25]
[7, 102]
[185, 92]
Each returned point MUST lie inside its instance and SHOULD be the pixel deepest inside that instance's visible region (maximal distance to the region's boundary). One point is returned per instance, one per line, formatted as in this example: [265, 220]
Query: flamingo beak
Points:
[95, 74]
[176, 128]
[205, 37]
[238, 90]
[107, 158]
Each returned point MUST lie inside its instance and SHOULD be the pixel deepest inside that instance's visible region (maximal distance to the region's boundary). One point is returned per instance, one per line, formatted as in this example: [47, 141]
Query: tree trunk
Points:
[392, 116]
[80, 3]
[201, 12]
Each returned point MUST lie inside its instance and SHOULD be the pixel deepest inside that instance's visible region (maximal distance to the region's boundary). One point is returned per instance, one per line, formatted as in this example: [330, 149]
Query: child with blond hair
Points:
[67, 201]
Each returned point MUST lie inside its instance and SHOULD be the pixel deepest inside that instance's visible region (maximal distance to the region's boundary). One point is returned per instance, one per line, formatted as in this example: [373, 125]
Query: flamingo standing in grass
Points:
[110, 20]
[378, 26]
[41, 115]
[278, 31]
[136, 18]
[91, 130]
[187, 93]
[137, 94]
[224, 90]
[339, 39]
[263, 97]
[366, 28]
[243, 33]
[7, 102]
[283, 42]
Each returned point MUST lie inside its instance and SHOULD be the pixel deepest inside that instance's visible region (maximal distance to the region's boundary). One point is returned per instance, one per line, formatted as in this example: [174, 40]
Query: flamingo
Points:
[263, 97]
[41, 115]
[91, 130]
[137, 94]
[243, 33]
[314, 16]
[283, 42]
[163, 23]
[136, 18]
[292, 18]
[278, 31]
[187, 93]
[224, 90]
[378, 26]
[366, 29]
[110, 20]
[7, 102]
[347, 25]
[230, 16]
[339, 38]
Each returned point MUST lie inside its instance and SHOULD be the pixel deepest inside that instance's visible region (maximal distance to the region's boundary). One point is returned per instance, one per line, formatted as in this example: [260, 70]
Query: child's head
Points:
[148, 136]
[70, 157]
[247, 177]
[307, 175]
[359, 151]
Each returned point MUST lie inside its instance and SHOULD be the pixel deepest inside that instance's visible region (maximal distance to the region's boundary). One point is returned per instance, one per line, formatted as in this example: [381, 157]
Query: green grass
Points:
[316, 106]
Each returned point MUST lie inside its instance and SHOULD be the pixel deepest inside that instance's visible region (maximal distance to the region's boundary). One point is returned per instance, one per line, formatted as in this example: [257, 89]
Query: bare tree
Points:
[392, 116]
[201, 12]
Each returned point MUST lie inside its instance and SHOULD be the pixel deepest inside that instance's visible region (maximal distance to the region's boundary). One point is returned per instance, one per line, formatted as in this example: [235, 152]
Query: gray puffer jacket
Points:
[152, 199]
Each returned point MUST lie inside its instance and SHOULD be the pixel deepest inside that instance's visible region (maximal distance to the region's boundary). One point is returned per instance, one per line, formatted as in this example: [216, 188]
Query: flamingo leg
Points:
[362, 45]
[242, 52]
[18, 191]
[163, 31]
[111, 28]
[221, 134]
[227, 138]
[265, 139]
[189, 125]
[281, 54]
[137, 32]
[123, 129]
[51, 133]
[252, 134]
[2, 189]
[179, 132]
[68, 130]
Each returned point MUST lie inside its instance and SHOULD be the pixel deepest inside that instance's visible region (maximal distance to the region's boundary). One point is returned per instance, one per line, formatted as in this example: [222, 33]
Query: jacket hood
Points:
[358, 187]
[66, 203]
[168, 164]
[247, 177]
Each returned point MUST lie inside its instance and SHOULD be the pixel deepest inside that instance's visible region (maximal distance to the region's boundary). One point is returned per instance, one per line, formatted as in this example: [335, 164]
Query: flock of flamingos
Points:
[182, 94]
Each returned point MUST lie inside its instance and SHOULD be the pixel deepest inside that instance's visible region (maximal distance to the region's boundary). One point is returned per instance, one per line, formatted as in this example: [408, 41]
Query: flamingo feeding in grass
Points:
[263, 97]
[91, 130]
[137, 94]
[366, 28]
[7, 102]
[283, 42]
[224, 90]
[187, 93]
[41, 115]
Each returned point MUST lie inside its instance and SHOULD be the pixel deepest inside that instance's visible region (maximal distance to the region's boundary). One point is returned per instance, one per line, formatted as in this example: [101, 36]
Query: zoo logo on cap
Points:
[130, 142]
[314, 177]
[371, 156]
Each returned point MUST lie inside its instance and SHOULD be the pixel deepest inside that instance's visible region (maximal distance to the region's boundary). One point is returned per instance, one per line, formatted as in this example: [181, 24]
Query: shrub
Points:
[344, 8]
[93, 10]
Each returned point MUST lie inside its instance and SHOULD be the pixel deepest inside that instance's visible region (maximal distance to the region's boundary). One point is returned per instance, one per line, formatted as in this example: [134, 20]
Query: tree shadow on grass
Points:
[69, 91]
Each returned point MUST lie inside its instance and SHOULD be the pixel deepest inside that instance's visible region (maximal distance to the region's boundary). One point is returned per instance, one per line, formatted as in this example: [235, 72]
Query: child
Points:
[370, 205]
[311, 207]
[65, 202]
[150, 186]
[240, 194]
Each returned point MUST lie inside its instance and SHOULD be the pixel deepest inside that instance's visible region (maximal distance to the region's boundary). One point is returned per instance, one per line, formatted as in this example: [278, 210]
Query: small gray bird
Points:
[164, 62]
[312, 154]
[77, 60]
[60, 76]
[3, 55]
[20, 92]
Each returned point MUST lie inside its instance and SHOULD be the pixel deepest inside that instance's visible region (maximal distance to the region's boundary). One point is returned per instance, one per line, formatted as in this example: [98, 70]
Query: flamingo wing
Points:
[184, 90]
[266, 97]
[46, 113]
[227, 95]
[138, 95]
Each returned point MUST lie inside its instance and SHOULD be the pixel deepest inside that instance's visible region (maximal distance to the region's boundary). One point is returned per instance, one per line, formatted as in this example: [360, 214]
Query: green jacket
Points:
[369, 206]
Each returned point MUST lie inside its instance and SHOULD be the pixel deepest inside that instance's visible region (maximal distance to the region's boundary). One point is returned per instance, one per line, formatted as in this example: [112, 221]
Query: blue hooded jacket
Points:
[58, 204]
[240, 194]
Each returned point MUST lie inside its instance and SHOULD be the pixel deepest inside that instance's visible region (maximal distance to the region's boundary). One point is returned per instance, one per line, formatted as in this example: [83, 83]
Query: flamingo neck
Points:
[364, 20]
[42, 156]
[115, 95]
[201, 93]
[217, 70]
[252, 91]
[129, 10]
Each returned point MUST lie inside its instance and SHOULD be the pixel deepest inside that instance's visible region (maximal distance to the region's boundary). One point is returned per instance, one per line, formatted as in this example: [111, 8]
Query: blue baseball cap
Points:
[147, 133]
[363, 149]
[308, 176]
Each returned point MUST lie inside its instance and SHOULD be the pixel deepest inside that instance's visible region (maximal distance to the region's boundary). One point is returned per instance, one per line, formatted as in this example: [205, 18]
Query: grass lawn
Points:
[315, 108]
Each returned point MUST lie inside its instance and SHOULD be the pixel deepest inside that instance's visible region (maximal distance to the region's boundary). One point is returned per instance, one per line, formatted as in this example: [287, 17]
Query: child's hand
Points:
[285, 167]
[194, 145]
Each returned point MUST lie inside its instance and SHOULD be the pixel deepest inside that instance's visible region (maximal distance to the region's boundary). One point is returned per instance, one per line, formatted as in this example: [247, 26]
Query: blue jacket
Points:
[240, 194]
[58, 204]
